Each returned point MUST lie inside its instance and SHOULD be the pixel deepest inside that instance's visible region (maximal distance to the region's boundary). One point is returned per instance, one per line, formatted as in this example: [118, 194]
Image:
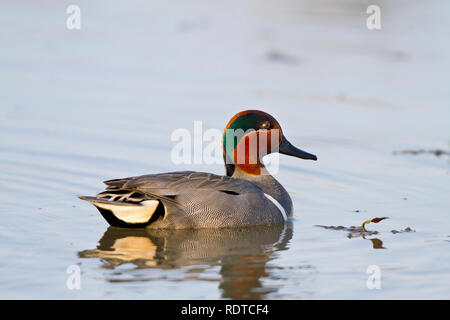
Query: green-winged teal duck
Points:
[247, 195]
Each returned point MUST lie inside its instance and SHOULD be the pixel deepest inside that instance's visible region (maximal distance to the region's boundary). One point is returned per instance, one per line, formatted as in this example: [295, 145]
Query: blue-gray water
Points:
[81, 106]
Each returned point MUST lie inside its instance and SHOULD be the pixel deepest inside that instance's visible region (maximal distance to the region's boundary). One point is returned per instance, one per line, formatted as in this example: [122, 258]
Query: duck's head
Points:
[249, 136]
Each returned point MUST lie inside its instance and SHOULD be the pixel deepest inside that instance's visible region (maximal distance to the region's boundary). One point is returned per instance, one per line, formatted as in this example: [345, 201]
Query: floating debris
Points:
[357, 232]
[407, 229]
[334, 228]
[436, 152]
[360, 231]
[277, 56]
[354, 229]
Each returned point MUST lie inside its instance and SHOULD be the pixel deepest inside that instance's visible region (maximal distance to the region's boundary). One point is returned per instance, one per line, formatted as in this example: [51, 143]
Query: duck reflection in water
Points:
[241, 253]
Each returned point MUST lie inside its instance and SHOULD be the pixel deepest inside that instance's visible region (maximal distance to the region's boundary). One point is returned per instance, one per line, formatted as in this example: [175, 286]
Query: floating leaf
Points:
[377, 243]
[374, 220]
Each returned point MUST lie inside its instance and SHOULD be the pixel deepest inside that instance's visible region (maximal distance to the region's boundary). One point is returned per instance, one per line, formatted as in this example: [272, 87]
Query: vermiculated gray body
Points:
[204, 200]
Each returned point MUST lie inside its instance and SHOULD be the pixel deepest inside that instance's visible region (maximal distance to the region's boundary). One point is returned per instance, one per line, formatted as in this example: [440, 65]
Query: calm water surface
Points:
[80, 107]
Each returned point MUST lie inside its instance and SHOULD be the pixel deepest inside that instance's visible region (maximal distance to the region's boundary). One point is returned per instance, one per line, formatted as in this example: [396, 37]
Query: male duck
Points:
[247, 195]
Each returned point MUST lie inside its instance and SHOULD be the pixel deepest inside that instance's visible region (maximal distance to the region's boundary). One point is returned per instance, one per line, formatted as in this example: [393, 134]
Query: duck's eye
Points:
[265, 125]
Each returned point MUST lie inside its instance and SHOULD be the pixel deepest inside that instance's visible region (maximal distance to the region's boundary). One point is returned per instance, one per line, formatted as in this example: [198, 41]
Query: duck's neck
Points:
[255, 170]
[266, 182]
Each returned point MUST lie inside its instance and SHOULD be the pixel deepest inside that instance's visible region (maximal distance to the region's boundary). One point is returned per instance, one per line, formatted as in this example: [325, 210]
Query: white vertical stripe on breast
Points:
[278, 205]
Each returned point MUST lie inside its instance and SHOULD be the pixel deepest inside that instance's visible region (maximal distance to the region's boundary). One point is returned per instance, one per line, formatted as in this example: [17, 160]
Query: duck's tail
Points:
[126, 214]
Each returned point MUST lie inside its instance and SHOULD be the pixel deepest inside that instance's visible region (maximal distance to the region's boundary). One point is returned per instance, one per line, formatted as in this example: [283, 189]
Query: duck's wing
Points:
[186, 199]
[173, 183]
